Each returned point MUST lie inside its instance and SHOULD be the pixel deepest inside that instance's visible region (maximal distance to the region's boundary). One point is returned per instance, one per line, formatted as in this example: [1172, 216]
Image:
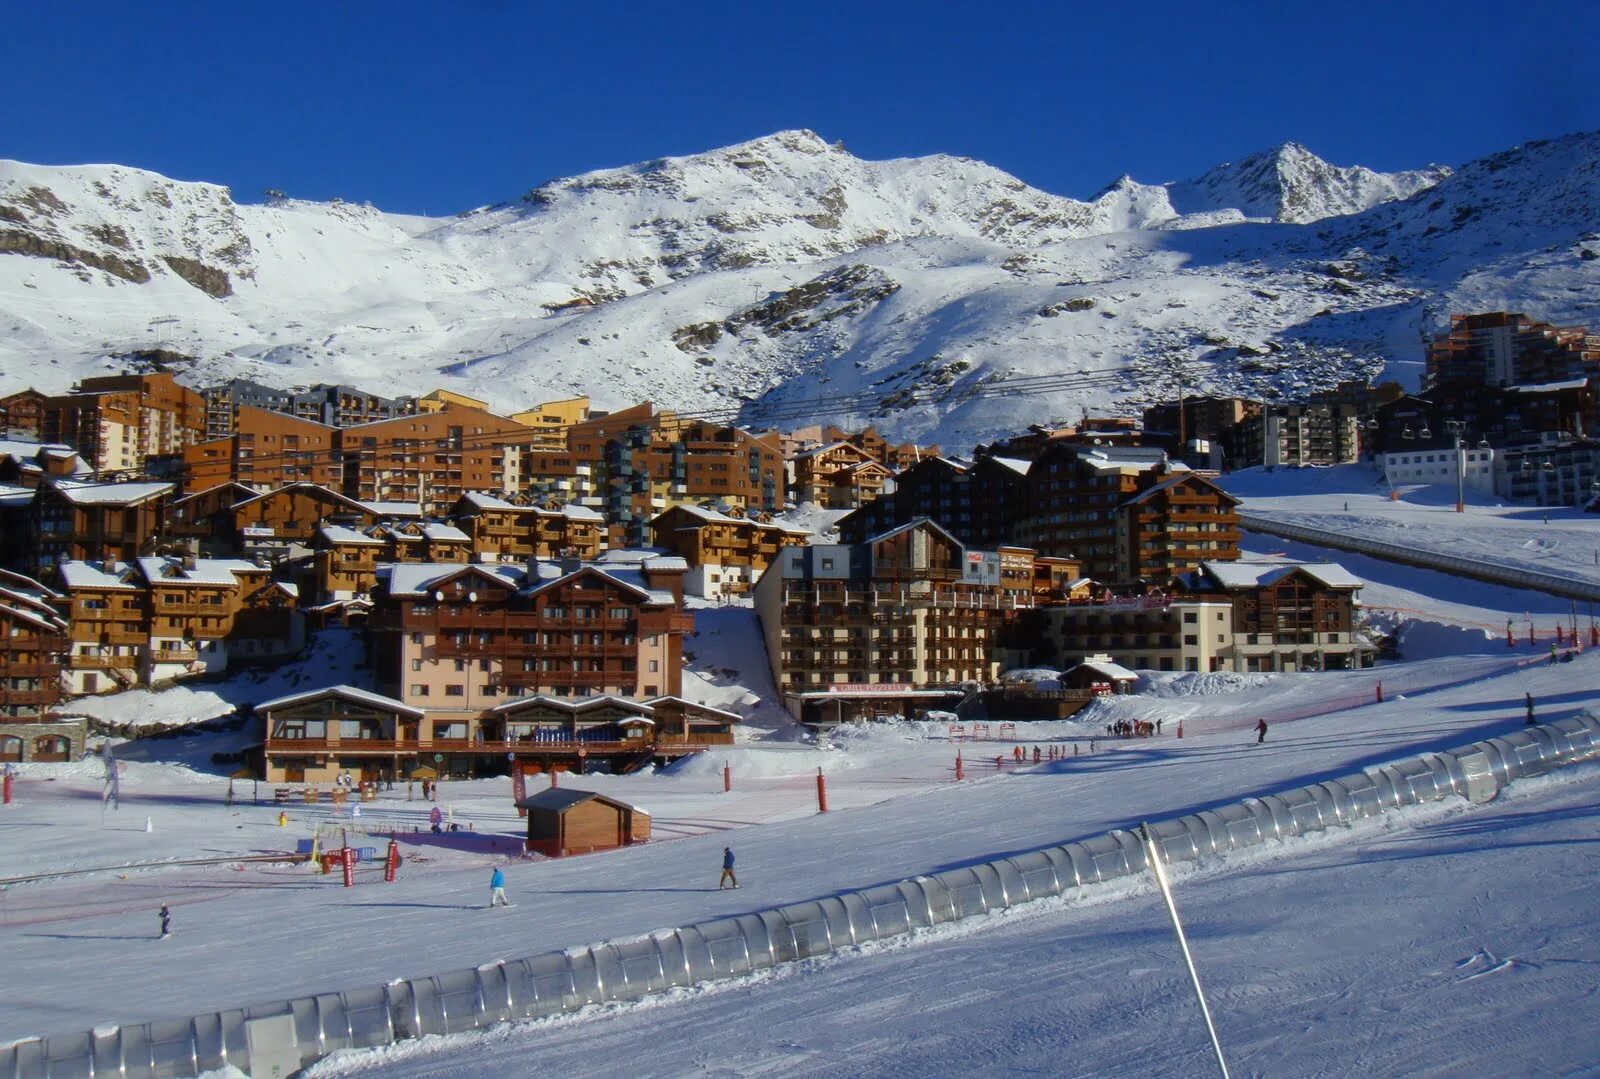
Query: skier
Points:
[1552, 652]
[1527, 699]
[166, 922]
[1158, 725]
[1261, 731]
[727, 870]
[497, 889]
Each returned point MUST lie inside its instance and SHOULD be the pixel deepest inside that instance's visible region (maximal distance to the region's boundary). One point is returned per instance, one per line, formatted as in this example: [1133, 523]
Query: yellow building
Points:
[438, 399]
[552, 419]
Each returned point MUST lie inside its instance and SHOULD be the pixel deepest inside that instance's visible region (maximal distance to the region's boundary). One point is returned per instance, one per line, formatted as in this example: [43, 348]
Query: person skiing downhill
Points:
[166, 922]
[1261, 731]
[727, 870]
[497, 889]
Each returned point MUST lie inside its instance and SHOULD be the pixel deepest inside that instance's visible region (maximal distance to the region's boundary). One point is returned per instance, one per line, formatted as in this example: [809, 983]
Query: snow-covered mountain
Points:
[785, 276]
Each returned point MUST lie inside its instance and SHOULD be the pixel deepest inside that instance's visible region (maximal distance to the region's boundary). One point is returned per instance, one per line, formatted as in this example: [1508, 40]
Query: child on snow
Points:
[166, 922]
[497, 889]
[727, 870]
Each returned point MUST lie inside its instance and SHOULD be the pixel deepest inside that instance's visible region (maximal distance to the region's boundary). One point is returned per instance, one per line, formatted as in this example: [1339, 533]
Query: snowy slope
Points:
[1393, 948]
[769, 275]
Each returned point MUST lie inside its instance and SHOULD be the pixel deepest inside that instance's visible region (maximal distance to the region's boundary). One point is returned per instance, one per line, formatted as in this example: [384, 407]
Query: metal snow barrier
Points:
[290, 1034]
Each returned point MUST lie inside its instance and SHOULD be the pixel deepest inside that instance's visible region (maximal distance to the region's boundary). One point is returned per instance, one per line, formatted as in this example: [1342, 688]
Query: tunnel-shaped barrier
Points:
[310, 1027]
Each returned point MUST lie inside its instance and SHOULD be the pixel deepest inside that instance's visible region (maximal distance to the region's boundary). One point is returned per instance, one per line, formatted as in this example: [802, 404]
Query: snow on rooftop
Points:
[392, 509]
[98, 575]
[1259, 574]
[349, 693]
[109, 494]
[341, 534]
[204, 571]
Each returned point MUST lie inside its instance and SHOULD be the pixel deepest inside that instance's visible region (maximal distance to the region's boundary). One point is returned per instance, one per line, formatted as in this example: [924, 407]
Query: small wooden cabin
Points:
[564, 821]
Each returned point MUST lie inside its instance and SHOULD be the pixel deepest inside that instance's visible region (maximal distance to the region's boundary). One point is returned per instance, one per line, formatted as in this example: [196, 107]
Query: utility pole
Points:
[1455, 426]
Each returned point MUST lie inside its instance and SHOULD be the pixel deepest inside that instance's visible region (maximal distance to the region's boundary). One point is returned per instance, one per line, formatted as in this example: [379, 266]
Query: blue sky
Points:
[442, 106]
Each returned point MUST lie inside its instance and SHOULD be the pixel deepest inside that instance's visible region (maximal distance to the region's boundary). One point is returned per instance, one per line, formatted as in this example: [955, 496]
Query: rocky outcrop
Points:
[208, 279]
[17, 242]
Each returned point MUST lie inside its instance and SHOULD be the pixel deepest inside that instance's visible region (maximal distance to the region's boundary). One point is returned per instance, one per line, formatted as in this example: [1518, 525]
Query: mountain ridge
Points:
[783, 269]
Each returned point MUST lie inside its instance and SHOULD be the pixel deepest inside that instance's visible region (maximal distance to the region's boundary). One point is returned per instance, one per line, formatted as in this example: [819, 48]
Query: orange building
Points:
[429, 459]
[457, 639]
[504, 531]
[725, 552]
[23, 413]
[115, 521]
[837, 476]
[266, 449]
[116, 422]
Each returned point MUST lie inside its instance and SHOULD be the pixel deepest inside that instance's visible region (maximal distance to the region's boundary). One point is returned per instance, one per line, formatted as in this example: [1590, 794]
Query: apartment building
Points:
[223, 400]
[266, 449]
[345, 406]
[429, 459]
[1173, 526]
[1554, 471]
[726, 552]
[1235, 616]
[346, 562]
[22, 414]
[424, 541]
[458, 639]
[438, 400]
[117, 422]
[1504, 348]
[893, 456]
[157, 619]
[508, 531]
[837, 476]
[1318, 433]
[893, 626]
[33, 643]
[983, 504]
[550, 421]
[1287, 616]
[71, 520]
[648, 469]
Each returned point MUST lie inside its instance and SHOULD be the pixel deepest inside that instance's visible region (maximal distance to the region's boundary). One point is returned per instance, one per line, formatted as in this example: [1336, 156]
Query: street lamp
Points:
[1454, 428]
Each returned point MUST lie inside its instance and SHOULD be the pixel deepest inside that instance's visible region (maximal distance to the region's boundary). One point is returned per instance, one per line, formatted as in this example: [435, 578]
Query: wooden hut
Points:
[564, 821]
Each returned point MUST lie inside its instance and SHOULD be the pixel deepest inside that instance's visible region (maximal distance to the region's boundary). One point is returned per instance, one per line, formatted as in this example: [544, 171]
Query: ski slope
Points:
[1408, 945]
[80, 950]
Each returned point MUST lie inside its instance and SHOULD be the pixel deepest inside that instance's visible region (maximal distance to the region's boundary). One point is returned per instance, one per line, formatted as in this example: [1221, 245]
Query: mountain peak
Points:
[1291, 183]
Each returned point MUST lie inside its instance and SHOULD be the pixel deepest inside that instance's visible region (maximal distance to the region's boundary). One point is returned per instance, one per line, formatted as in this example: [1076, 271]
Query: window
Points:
[416, 638]
[419, 690]
[416, 665]
[455, 691]
[655, 666]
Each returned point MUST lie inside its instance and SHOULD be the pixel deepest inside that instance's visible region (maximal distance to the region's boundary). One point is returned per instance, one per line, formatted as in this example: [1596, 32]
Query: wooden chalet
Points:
[563, 821]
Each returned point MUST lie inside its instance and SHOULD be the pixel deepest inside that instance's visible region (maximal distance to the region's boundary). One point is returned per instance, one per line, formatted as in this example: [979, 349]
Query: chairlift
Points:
[1407, 433]
[1426, 433]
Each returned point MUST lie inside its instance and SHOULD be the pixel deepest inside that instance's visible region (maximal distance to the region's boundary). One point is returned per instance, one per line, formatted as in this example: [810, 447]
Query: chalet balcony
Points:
[104, 663]
[10, 645]
[175, 655]
[30, 698]
[29, 670]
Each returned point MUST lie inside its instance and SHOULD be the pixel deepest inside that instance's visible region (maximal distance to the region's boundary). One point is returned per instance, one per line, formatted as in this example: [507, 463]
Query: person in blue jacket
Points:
[727, 870]
[497, 889]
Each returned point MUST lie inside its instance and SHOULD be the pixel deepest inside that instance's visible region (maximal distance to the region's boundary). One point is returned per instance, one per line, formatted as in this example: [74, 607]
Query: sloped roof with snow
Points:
[341, 534]
[91, 575]
[205, 571]
[1261, 574]
[109, 494]
[349, 693]
[420, 578]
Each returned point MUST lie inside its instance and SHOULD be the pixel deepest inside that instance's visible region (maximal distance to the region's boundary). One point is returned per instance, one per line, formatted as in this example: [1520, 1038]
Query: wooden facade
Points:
[726, 551]
[117, 422]
[33, 643]
[503, 531]
[910, 611]
[266, 449]
[431, 458]
[117, 521]
[562, 821]
[464, 638]
[1172, 527]
[837, 476]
